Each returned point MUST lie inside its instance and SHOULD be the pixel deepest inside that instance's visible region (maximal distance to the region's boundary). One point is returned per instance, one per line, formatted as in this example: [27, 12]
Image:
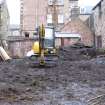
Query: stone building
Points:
[99, 24]
[4, 20]
[48, 12]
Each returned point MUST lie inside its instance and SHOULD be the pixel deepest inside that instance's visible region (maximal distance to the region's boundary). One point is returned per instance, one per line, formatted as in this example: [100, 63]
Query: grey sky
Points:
[14, 8]
[14, 11]
[84, 3]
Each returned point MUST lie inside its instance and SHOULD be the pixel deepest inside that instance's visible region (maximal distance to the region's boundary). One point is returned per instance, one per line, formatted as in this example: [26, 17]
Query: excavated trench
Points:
[79, 79]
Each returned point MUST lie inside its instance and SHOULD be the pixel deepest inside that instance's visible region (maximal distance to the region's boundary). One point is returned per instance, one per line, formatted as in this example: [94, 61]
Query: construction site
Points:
[53, 61]
[78, 79]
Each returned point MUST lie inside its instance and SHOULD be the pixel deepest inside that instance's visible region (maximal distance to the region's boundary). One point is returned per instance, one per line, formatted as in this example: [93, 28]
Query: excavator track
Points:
[49, 62]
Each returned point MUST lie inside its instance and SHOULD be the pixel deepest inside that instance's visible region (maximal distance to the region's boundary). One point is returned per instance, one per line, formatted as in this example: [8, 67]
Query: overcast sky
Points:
[14, 11]
[14, 8]
[83, 3]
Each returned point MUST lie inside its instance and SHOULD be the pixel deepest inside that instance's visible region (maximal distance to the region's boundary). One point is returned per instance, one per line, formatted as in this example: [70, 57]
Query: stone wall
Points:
[4, 20]
[99, 23]
[19, 46]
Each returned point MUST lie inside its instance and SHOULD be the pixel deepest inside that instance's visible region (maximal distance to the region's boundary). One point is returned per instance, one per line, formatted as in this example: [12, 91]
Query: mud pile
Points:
[78, 52]
[20, 82]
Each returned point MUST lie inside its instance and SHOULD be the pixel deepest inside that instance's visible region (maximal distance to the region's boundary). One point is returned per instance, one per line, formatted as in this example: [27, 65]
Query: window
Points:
[50, 2]
[57, 2]
[75, 12]
[49, 19]
[73, 3]
[60, 2]
[26, 34]
[60, 19]
[100, 10]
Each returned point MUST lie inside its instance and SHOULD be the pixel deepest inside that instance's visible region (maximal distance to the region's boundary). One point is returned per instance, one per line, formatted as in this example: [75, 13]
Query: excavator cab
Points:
[45, 53]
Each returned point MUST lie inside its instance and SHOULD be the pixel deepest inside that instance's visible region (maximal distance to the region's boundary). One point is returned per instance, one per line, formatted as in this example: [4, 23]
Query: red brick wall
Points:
[77, 26]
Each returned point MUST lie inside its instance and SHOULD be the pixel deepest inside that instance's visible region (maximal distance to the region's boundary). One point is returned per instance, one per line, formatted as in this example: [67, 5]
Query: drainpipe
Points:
[94, 39]
[0, 24]
[0, 18]
[62, 41]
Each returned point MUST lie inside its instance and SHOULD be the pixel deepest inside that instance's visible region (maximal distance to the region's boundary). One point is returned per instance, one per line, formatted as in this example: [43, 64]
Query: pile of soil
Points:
[19, 81]
[78, 52]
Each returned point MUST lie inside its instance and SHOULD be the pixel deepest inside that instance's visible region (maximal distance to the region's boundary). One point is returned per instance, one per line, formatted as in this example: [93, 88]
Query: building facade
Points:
[14, 30]
[79, 32]
[48, 12]
[4, 20]
[99, 24]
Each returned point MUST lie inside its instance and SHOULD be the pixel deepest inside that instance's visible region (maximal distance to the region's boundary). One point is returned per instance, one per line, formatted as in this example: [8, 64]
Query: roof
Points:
[97, 5]
[75, 26]
[20, 38]
[84, 14]
[67, 35]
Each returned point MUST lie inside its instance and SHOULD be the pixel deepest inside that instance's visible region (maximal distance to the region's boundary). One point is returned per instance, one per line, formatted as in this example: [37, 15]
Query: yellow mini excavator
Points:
[45, 53]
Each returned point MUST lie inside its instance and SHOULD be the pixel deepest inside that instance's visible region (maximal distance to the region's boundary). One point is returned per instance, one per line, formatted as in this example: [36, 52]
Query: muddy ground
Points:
[79, 79]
